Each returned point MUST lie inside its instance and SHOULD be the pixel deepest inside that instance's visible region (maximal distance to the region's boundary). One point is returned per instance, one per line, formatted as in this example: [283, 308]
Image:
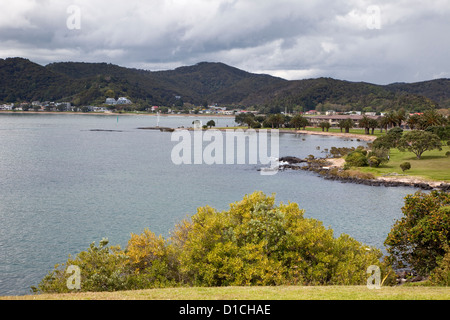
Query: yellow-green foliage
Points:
[255, 242]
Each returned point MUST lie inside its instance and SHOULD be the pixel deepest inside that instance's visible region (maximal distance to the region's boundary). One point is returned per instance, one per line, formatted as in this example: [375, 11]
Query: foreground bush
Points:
[420, 239]
[102, 269]
[255, 242]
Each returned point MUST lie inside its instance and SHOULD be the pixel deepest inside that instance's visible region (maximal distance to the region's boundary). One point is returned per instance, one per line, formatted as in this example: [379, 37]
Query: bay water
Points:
[67, 180]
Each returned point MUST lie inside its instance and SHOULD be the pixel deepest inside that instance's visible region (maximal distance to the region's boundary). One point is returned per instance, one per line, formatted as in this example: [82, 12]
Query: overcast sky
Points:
[374, 41]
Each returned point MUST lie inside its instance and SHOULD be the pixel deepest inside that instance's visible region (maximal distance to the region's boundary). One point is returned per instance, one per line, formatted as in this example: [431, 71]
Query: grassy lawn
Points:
[434, 165]
[260, 293]
[376, 133]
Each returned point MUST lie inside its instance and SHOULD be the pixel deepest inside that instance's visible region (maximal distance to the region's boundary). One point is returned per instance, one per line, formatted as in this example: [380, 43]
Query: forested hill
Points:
[212, 83]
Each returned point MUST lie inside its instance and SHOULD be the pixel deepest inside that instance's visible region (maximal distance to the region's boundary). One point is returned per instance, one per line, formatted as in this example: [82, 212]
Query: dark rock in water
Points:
[423, 186]
[289, 166]
[104, 130]
[162, 129]
[291, 160]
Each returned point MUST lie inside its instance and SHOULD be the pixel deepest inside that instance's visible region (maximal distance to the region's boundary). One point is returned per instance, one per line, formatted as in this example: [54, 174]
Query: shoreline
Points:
[340, 135]
[116, 114]
[386, 181]
[334, 134]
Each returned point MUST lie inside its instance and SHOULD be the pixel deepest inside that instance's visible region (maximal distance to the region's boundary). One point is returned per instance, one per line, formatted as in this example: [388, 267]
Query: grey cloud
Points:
[290, 37]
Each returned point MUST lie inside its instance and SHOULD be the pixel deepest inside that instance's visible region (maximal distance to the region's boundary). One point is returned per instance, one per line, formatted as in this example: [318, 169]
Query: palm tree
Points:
[373, 123]
[348, 124]
[341, 124]
[400, 116]
[432, 118]
[414, 121]
[365, 123]
[391, 119]
[383, 122]
[325, 125]
[276, 120]
[298, 122]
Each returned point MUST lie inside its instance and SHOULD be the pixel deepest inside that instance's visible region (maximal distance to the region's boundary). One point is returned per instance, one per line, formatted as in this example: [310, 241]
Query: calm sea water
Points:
[64, 186]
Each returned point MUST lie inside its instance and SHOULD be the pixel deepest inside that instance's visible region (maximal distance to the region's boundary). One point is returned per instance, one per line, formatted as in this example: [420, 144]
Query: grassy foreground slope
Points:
[259, 293]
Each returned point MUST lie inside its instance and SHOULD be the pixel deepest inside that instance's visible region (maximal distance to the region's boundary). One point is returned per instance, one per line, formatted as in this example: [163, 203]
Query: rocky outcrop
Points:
[322, 166]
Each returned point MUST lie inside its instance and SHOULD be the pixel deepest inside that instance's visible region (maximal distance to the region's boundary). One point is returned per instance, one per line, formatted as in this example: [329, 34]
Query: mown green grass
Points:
[260, 293]
[376, 133]
[434, 165]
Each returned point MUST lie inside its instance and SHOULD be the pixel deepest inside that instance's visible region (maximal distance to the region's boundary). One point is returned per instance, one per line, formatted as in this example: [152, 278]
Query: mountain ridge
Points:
[207, 83]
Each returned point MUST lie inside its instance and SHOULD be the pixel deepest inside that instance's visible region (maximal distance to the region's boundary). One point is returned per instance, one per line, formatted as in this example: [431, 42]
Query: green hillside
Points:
[212, 83]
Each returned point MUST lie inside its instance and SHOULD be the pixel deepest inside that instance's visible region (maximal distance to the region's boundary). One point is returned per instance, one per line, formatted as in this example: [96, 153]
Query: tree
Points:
[373, 124]
[400, 116]
[442, 132]
[298, 121]
[245, 118]
[431, 118]
[418, 142]
[275, 120]
[419, 238]
[325, 125]
[395, 134]
[414, 121]
[365, 123]
[388, 141]
[341, 124]
[211, 124]
[346, 124]
[383, 123]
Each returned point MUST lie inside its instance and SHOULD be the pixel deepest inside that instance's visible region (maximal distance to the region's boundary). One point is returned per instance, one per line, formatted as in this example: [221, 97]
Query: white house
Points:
[110, 101]
[7, 106]
[123, 100]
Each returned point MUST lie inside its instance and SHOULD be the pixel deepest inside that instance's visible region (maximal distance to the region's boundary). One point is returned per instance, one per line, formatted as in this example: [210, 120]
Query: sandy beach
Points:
[340, 135]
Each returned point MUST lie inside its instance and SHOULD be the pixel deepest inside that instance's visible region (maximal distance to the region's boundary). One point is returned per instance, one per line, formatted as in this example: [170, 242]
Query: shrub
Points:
[356, 159]
[420, 238]
[255, 242]
[405, 166]
[440, 276]
[381, 153]
[258, 243]
[102, 269]
[151, 261]
[374, 161]
[340, 152]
